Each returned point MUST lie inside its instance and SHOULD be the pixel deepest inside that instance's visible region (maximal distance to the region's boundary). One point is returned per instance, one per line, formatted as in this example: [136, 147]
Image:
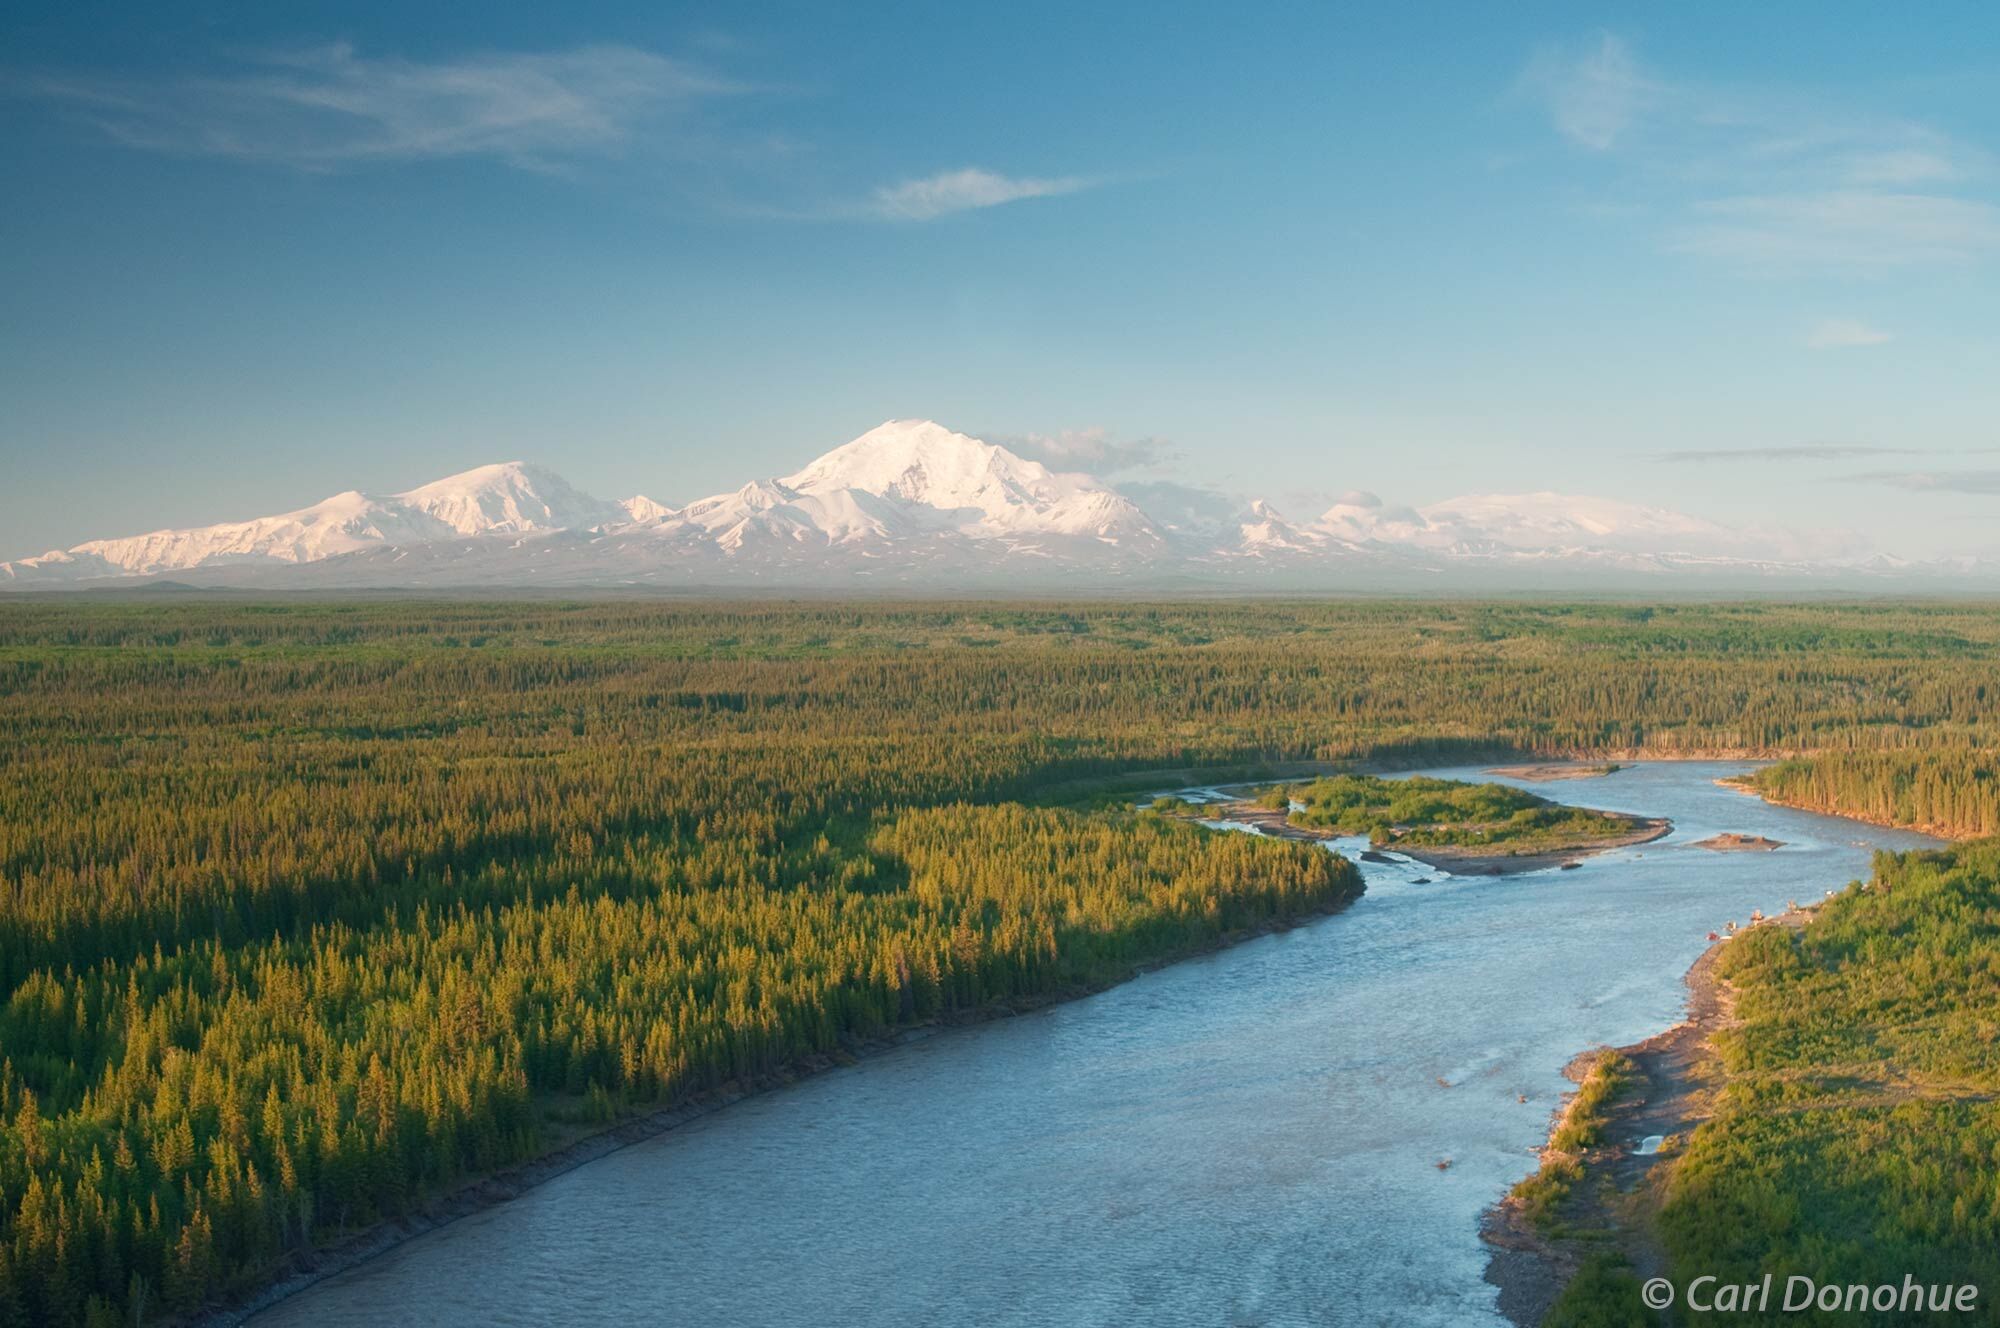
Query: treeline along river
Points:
[1247, 1137]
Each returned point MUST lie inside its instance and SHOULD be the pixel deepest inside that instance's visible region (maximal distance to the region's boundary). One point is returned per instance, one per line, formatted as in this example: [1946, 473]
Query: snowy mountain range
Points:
[912, 504]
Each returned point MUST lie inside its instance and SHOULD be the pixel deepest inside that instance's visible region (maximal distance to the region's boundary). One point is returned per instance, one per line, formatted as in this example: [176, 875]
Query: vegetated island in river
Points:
[1463, 828]
[1731, 842]
[1544, 774]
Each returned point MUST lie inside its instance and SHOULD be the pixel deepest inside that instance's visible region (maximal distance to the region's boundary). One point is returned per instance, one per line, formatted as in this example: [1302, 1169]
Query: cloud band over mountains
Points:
[1800, 452]
[1933, 481]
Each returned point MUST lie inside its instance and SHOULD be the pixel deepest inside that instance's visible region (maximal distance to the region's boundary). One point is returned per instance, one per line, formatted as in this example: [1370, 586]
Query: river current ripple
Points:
[1247, 1138]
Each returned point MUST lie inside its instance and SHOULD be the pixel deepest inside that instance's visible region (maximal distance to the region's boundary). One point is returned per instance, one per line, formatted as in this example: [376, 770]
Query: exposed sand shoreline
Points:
[1672, 1093]
[1678, 1079]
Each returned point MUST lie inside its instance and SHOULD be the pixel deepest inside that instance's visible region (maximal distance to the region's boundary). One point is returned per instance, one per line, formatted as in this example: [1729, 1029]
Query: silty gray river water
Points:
[1246, 1138]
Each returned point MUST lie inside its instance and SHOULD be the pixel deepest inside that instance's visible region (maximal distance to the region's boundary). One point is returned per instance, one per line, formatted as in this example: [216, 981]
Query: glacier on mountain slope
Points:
[913, 501]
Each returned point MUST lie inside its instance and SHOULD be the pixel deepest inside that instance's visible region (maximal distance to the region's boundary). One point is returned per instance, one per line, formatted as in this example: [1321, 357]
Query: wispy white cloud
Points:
[1842, 228]
[1592, 93]
[939, 195]
[329, 107]
[332, 108]
[1903, 166]
[1184, 507]
[1840, 333]
[1093, 450]
[1769, 179]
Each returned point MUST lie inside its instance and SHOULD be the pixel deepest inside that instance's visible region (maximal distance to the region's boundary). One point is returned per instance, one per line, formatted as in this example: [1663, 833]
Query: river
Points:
[1250, 1137]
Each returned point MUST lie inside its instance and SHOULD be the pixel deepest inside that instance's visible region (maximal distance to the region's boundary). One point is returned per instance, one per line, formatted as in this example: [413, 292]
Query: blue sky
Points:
[268, 253]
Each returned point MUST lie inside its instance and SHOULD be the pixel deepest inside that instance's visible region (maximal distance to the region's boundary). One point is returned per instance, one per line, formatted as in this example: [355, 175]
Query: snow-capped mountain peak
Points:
[512, 497]
[644, 510]
[1546, 520]
[919, 461]
[1546, 524]
[950, 479]
[1262, 532]
[341, 524]
[912, 501]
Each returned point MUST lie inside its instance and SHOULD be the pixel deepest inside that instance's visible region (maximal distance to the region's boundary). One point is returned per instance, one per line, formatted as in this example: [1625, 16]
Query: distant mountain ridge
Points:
[508, 499]
[913, 503]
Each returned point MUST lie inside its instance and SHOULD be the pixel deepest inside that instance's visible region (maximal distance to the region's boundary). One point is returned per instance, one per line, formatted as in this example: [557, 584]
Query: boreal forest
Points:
[313, 911]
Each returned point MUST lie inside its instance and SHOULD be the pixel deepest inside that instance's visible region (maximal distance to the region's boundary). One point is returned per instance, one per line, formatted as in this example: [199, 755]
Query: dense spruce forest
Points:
[1954, 792]
[1858, 1139]
[310, 911]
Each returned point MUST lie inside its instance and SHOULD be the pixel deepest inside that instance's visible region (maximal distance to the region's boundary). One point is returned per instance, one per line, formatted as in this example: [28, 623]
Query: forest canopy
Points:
[312, 910]
[1858, 1137]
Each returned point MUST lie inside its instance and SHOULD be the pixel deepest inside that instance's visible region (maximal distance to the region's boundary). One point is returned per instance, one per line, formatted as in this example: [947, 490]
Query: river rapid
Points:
[1251, 1137]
